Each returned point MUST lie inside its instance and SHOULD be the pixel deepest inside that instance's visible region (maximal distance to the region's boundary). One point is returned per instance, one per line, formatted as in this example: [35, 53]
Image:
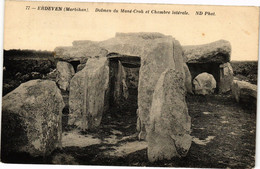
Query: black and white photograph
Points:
[129, 84]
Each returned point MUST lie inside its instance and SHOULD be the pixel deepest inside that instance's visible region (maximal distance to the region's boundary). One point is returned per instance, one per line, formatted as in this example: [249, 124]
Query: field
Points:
[223, 136]
[245, 70]
[223, 131]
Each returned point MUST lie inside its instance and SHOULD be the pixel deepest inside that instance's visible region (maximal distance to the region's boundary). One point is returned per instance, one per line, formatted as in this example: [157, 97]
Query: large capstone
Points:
[65, 72]
[79, 51]
[88, 91]
[204, 84]
[215, 52]
[131, 44]
[226, 77]
[31, 118]
[170, 123]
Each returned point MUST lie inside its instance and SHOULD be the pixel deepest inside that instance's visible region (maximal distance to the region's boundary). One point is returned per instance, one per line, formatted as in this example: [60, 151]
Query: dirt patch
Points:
[126, 148]
[74, 138]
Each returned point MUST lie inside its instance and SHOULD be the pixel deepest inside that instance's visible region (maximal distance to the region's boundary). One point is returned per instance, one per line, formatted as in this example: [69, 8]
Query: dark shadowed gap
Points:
[123, 91]
[211, 68]
[75, 64]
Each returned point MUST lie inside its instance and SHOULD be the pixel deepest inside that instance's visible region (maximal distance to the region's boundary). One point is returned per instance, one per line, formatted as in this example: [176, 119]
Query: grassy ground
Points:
[245, 70]
[223, 136]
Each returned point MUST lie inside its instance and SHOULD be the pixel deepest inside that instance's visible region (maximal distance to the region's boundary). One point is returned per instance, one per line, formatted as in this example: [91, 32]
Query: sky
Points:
[45, 30]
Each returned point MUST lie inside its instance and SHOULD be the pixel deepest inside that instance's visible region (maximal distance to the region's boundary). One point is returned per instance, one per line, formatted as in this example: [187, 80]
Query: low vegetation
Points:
[245, 70]
[24, 65]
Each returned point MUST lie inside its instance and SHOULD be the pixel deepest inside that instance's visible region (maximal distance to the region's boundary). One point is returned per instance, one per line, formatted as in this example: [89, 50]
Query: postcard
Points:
[129, 84]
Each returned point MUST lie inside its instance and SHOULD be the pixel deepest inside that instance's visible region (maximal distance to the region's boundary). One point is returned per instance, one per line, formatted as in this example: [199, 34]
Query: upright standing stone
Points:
[65, 72]
[244, 91]
[87, 94]
[169, 133]
[188, 82]
[177, 56]
[31, 118]
[226, 77]
[157, 57]
[80, 51]
[215, 52]
[121, 89]
[132, 77]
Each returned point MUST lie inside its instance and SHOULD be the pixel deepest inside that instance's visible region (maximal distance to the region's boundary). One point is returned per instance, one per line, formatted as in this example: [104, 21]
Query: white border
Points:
[194, 2]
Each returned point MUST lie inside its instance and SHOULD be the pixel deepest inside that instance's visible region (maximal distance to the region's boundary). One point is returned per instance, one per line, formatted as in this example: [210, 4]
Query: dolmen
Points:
[96, 74]
[212, 58]
[163, 81]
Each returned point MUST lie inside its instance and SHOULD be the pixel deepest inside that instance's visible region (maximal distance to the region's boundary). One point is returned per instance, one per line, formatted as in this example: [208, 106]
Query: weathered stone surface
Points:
[204, 84]
[170, 123]
[83, 60]
[157, 52]
[87, 94]
[188, 81]
[131, 44]
[79, 51]
[65, 72]
[226, 77]
[178, 56]
[121, 89]
[132, 77]
[31, 118]
[143, 35]
[80, 67]
[244, 91]
[217, 52]
[157, 57]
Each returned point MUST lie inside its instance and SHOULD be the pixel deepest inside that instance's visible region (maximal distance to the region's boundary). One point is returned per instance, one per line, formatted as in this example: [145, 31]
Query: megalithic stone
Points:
[88, 90]
[170, 123]
[65, 72]
[31, 118]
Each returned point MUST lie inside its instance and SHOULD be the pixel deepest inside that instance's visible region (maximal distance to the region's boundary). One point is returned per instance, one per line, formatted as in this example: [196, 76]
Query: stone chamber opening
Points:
[123, 92]
[75, 64]
[211, 68]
